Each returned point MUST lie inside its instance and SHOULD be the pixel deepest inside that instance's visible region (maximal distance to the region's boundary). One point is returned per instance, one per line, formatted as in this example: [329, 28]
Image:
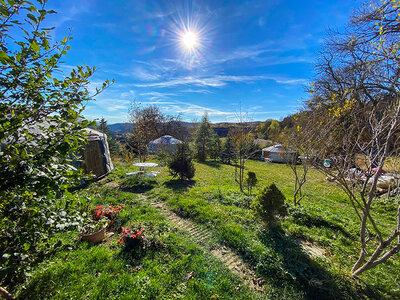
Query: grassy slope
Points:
[213, 200]
[325, 218]
[105, 271]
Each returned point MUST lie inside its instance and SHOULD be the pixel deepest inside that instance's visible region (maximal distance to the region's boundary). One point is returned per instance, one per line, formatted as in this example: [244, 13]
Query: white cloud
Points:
[218, 81]
[144, 75]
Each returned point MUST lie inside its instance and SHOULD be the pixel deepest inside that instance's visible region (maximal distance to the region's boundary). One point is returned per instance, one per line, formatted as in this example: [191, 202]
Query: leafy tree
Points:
[274, 130]
[202, 138]
[228, 152]
[149, 123]
[112, 143]
[262, 129]
[215, 146]
[40, 129]
[181, 163]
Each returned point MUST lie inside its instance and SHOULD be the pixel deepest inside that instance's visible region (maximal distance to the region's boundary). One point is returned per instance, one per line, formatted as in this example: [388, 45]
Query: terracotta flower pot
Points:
[94, 237]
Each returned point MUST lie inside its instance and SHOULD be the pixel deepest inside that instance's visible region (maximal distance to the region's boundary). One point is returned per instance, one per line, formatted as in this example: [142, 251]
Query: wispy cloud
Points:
[201, 91]
[157, 94]
[218, 81]
[144, 75]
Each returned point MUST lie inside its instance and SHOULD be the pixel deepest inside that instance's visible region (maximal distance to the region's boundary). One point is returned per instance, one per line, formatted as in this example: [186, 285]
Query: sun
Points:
[189, 40]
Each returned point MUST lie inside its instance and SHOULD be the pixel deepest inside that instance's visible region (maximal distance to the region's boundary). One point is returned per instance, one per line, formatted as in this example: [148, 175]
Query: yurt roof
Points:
[277, 148]
[94, 134]
[166, 139]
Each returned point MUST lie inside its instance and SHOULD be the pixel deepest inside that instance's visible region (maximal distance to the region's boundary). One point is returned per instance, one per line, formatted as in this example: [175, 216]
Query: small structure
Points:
[278, 154]
[96, 157]
[165, 143]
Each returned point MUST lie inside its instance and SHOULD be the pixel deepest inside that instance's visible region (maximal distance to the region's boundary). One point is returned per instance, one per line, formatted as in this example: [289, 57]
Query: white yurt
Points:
[278, 154]
[165, 143]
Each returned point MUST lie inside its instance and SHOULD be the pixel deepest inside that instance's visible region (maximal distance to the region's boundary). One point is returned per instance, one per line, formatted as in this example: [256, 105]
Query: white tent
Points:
[278, 153]
[96, 155]
[165, 143]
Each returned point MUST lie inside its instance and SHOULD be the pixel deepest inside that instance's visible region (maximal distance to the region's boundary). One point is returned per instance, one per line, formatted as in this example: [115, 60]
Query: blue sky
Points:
[250, 56]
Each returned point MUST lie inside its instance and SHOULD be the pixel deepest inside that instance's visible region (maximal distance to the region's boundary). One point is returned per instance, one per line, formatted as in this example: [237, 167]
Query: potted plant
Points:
[110, 212]
[133, 237]
[95, 231]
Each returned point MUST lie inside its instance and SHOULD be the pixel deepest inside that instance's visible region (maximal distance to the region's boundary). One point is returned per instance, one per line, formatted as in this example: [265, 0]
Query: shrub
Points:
[41, 133]
[181, 162]
[162, 156]
[269, 203]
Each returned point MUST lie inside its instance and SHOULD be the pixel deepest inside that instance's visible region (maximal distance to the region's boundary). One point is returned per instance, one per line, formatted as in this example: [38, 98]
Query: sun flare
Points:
[189, 40]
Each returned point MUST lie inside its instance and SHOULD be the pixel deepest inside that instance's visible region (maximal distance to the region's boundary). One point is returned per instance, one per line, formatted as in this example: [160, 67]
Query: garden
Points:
[307, 253]
[223, 226]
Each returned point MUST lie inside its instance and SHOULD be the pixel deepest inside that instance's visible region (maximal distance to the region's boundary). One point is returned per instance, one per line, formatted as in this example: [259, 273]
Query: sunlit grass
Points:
[212, 199]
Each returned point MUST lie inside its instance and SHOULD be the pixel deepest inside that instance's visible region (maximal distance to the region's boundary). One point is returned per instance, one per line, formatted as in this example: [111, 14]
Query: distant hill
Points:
[120, 128]
[221, 129]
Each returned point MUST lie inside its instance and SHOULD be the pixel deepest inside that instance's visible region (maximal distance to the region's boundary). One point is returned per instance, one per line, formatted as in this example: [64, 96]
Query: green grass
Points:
[212, 199]
[325, 218]
[106, 271]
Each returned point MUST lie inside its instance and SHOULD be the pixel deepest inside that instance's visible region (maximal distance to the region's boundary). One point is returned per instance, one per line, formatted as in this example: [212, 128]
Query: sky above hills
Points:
[188, 57]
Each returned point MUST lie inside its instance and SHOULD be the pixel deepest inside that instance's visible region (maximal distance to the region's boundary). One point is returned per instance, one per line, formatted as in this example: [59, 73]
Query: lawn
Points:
[179, 267]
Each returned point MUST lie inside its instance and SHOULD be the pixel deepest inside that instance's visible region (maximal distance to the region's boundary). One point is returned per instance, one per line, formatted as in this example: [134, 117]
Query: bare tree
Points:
[356, 112]
[149, 123]
[298, 139]
[244, 141]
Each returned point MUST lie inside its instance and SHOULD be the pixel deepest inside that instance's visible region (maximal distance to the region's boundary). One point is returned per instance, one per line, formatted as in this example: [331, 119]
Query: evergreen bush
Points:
[181, 163]
[269, 203]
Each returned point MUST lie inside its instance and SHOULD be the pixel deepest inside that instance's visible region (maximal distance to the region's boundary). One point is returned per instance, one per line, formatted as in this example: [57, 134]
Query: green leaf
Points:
[3, 57]
[32, 9]
[33, 18]
[35, 47]
[27, 246]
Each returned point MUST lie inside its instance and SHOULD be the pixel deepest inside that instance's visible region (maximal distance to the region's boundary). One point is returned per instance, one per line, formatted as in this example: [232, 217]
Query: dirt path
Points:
[203, 237]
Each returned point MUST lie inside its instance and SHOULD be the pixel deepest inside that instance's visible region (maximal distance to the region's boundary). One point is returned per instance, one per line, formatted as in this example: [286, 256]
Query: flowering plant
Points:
[109, 211]
[133, 237]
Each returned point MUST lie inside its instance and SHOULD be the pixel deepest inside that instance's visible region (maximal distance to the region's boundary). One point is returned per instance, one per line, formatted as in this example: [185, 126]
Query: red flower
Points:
[121, 240]
[133, 236]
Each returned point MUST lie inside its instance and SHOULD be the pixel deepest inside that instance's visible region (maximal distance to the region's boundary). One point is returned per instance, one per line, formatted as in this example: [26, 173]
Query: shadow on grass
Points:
[212, 164]
[303, 218]
[305, 274]
[179, 185]
[137, 189]
[138, 184]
